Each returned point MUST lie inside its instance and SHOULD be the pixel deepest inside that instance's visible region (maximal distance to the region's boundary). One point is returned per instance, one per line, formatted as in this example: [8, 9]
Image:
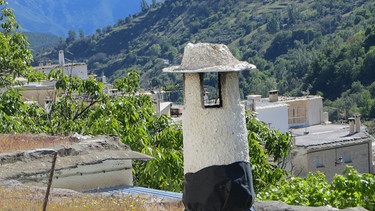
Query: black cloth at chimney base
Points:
[220, 188]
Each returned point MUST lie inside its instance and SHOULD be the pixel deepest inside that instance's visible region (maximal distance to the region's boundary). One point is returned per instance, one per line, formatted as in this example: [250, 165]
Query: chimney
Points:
[251, 101]
[273, 95]
[351, 125]
[48, 63]
[215, 137]
[357, 122]
[40, 63]
[61, 58]
[156, 103]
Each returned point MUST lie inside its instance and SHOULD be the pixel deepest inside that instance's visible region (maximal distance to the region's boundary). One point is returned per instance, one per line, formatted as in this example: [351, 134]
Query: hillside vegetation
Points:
[40, 42]
[323, 46]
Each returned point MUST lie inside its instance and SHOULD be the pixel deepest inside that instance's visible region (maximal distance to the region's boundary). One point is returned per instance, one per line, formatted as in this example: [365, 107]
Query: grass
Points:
[10, 143]
[32, 199]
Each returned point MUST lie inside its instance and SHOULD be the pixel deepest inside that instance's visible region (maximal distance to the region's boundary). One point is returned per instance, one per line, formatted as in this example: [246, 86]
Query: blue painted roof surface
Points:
[138, 190]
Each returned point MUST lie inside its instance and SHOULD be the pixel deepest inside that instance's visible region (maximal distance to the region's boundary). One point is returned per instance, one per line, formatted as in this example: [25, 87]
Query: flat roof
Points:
[266, 105]
[282, 101]
[292, 99]
[52, 66]
[326, 134]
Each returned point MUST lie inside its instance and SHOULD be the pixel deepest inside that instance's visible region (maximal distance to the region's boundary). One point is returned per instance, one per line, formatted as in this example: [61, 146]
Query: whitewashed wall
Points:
[315, 110]
[213, 136]
[276, 116]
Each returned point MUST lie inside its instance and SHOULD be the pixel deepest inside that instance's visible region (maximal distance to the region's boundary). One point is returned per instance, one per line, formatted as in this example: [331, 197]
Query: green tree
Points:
[144, 6]
[348, 190]
[280, 45]
[367, 74]
[155, 50]
[72, 36]
[154, 2]
[370, 37]
[273, 24]
[292, 13]
[15, 57]
[263, 144]
[81, 33]
[76, 97]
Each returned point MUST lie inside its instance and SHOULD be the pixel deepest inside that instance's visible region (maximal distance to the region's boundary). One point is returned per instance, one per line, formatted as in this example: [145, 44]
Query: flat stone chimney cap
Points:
[208, 57]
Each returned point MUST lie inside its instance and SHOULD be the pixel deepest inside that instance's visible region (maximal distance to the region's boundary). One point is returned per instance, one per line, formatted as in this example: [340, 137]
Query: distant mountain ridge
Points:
[58, 17]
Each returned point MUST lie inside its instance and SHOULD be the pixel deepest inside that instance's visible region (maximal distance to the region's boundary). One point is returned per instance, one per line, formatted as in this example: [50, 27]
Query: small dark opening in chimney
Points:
[211, 82]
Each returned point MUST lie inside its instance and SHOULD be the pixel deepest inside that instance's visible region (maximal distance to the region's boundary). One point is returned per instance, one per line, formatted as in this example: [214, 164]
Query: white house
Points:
[273, 114]
[74, 69]
[282, 113]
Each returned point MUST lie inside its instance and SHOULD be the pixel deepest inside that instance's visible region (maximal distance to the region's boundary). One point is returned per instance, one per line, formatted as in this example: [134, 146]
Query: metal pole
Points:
[50, 181]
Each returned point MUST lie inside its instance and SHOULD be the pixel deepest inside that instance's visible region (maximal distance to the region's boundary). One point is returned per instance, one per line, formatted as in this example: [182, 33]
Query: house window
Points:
[319, 162]
[346, 157]
[211, 83]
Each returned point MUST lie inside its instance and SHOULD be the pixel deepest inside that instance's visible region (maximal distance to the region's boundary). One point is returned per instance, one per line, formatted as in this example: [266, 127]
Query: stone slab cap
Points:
[208, 57]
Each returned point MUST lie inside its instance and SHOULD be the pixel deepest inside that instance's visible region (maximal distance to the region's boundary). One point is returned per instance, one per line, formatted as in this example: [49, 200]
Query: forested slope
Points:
[323, 46]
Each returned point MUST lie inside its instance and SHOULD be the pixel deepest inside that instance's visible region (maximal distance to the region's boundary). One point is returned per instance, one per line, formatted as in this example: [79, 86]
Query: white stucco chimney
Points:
[357, 121]
[251, 102]
[214, 137]
[156, 103]
[351, 125]
[273, 95]
[61, 58]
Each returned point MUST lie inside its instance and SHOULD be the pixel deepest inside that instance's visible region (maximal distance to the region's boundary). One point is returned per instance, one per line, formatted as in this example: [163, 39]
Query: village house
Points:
[318, 144]
[73, 69]
[330, 148]
[44, 92]
[282, 113]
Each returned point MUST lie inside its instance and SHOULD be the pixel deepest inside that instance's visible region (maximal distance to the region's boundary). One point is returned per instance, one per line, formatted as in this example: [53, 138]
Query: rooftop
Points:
[54, 66]
[282, 100]
[326, 134]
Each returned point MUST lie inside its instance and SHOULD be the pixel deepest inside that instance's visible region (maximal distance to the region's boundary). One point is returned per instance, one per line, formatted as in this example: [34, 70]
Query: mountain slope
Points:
[41, 41]
[319, 45]
[57, 17]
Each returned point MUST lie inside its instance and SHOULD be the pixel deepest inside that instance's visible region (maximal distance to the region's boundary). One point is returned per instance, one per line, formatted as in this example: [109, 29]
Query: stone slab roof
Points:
[327, 134]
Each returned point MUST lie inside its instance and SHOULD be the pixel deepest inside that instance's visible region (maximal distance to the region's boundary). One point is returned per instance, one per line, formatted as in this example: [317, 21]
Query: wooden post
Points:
[50, 181]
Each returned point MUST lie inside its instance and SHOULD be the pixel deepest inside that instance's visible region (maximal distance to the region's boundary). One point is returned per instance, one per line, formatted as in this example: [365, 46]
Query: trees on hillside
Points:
[72, 36]
[295, 31]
